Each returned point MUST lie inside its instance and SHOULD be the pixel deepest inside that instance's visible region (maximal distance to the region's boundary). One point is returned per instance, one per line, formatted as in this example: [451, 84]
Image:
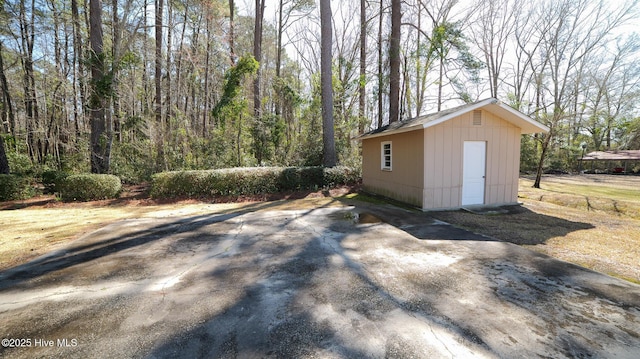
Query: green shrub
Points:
[14, 187]
[340, 175]
[52, 180]
[20, 163]
[248, 181]
[133, 161]
[297, 178]
[89, 187]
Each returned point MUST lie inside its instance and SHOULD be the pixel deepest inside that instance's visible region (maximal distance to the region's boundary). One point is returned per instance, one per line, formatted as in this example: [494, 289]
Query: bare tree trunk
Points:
[394, 61]
[27, 32]
[169, 113]
[362, 91]
[440, 81]
[8, 117]
[232, 55]
[190, 87]
[144, 101]
[419, 97]
[279, 42]
[257, 90]
[4, 163]
[79, 102]
[547, 138]
[278, 100]
[181, 44]
[116, 30]
[380, 77]
[158, 63]
[257, 54]
[57, 109]
[326, 77]
[406, 104]
[543, 154]
[205, 115]
[101, 131]
[158, 84]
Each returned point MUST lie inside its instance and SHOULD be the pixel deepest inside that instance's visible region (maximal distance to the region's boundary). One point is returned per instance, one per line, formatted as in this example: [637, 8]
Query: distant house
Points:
[464, 156]
[623, 157]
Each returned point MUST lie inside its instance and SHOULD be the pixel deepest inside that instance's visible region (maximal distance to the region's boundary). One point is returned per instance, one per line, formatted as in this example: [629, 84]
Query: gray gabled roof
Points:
[515, 117]
[619, 155]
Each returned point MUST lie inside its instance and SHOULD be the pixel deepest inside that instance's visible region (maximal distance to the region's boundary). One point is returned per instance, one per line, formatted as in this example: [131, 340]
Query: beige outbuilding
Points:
[463, 156]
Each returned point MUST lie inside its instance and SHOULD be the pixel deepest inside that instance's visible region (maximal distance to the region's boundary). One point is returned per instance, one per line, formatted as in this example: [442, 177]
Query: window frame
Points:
[383, 156]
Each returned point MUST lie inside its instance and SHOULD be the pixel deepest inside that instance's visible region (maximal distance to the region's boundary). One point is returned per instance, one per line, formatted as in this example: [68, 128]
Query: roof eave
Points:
[390, 132]
[526, 124]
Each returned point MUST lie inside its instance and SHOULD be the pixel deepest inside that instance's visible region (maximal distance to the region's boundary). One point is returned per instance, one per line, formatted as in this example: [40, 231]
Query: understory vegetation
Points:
[14, 187]
[219, 84]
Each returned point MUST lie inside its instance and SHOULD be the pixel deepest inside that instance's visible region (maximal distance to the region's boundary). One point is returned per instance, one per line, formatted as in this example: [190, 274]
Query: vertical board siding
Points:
[443, 146]
[405, 181]
[427, 164]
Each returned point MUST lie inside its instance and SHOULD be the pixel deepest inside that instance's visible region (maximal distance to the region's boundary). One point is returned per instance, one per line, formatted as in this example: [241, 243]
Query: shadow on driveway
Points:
[322, 282]
[107, 241]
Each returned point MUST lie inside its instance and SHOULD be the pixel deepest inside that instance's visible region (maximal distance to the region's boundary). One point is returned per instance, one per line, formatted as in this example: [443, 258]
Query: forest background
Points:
[135, 87]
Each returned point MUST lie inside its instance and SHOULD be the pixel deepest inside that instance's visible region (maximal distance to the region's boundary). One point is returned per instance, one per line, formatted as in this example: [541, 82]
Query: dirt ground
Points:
[41, 224]
[331, 281]
[590, 220]
[615, 181]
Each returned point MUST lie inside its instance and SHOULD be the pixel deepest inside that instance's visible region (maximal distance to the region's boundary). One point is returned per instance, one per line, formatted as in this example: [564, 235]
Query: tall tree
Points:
[362, 82]
[329, 157]
[258, 129]
[394, 61]
[232, 50]
[578, 30]
[116, 35]
[27, 37]
[496, 20]
[289, 12]
[158, 83]
[168, 83]
[380, 64]
[615, 80]
[8, 117]
[257, 55]
[4, 163]
[78, 73]
[101, 128]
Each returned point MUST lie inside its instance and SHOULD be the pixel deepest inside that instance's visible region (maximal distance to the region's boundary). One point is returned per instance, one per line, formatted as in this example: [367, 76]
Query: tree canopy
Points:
[191, 95]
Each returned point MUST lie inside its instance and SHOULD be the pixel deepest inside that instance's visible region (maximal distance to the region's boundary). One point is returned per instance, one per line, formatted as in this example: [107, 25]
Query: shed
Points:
[463, 156]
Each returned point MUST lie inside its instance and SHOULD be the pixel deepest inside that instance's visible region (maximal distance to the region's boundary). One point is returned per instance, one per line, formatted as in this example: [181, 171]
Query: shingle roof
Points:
[621, 155]
[527, 124]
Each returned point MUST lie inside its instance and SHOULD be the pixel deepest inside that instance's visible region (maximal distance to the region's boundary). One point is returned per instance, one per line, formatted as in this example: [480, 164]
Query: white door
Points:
[473, 172]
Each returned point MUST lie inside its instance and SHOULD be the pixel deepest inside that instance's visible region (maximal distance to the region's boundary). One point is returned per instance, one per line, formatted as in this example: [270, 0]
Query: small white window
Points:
[386, 156]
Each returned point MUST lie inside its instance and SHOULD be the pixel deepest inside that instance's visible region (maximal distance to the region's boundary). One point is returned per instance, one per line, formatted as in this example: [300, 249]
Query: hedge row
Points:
[14, 187]
[89, 187]
[248, 181]
[52, 180]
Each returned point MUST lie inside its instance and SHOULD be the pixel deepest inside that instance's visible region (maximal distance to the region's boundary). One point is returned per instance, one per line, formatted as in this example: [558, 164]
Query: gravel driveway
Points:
[323, 282]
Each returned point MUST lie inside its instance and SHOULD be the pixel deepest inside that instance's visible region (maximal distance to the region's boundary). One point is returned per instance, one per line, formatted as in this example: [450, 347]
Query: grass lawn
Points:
[30, 232]
[34, 227]
[590, 220]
